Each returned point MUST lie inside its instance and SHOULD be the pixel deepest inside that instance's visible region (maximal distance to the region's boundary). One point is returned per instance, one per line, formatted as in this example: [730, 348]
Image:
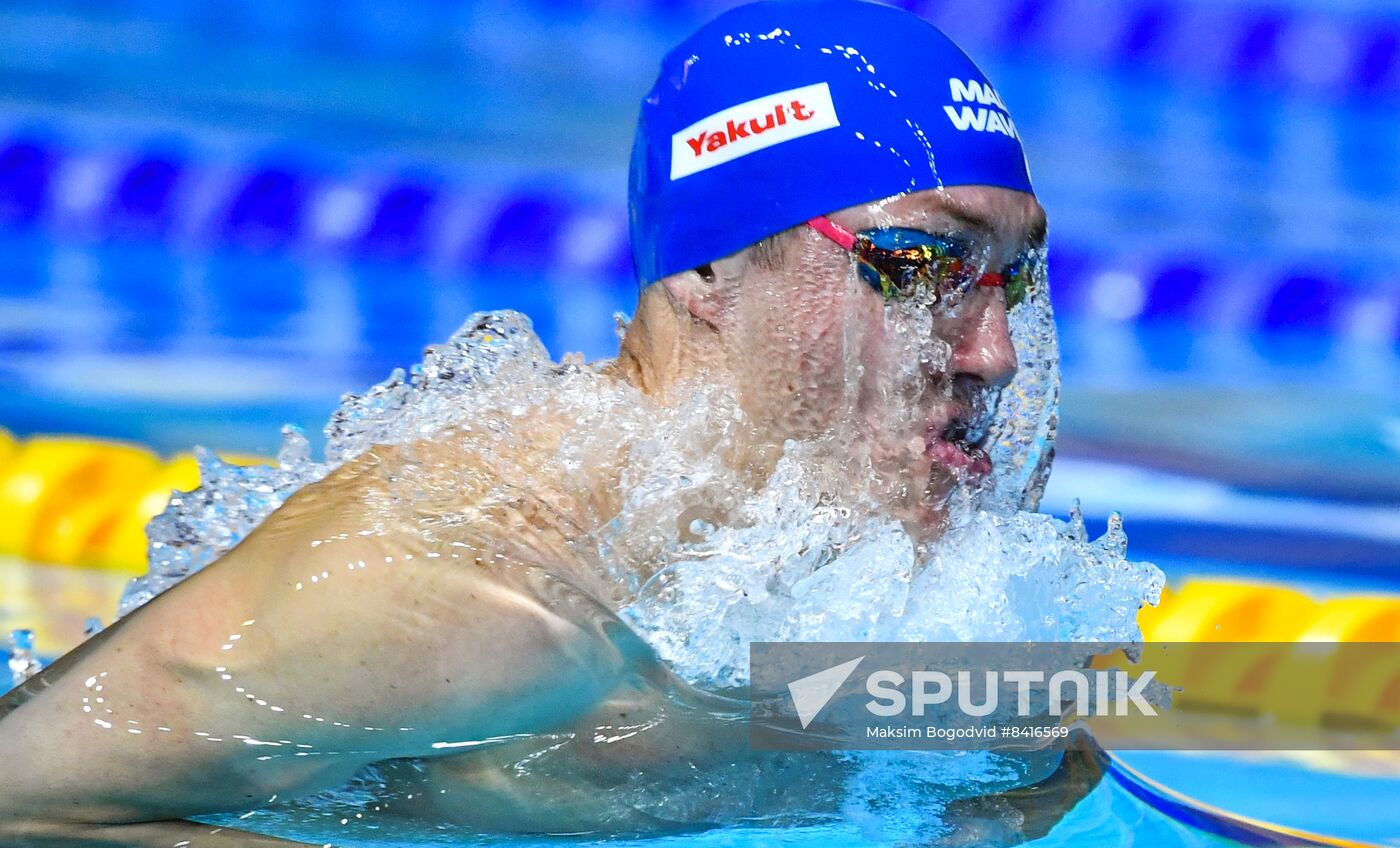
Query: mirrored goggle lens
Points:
[899, 262]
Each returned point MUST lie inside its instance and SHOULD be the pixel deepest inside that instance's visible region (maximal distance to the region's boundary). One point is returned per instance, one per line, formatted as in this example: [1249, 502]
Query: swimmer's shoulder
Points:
[453, 477]
[535, 470]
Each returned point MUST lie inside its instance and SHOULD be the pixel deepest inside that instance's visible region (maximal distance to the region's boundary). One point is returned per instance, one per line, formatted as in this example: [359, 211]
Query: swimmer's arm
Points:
[107, 735]
[681, 739]
[653, 725]
[25, 832]
[285, 667]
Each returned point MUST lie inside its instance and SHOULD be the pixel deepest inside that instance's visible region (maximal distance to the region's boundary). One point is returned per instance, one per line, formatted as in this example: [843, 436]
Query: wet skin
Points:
[358, 625]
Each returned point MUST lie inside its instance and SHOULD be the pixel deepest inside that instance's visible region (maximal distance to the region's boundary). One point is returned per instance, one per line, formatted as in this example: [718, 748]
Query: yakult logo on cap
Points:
[752, 126]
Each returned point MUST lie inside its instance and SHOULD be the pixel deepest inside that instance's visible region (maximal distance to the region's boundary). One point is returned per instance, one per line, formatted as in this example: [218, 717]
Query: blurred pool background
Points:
[215, 218]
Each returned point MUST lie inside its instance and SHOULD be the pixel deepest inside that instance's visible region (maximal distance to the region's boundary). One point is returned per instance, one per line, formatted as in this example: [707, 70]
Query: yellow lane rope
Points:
[71, 500]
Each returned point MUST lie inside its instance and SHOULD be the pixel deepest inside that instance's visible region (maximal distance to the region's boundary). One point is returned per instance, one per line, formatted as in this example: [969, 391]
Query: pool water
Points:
[1108, 816]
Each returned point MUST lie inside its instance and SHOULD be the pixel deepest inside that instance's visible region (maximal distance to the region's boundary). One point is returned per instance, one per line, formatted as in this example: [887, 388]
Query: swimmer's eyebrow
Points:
[986, 226]
[983, 225]
[1036, 236]
[970, 220]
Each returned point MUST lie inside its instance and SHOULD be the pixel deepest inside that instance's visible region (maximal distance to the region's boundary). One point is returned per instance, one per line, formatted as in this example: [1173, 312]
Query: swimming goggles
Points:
[899, 261]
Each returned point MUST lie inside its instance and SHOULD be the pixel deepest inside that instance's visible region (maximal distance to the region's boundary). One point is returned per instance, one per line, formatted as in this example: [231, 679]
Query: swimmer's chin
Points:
[944, 467]
[927, 517]
[925, 520]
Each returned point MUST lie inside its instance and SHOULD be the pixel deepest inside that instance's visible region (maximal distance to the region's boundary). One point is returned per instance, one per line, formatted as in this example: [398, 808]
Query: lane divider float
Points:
[70, 500]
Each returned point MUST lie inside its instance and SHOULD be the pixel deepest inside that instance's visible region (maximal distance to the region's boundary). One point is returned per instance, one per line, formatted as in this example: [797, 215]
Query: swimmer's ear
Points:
[698, 292]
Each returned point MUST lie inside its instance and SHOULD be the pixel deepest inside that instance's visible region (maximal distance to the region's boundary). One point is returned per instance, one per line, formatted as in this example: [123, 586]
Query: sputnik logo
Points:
[811, 693]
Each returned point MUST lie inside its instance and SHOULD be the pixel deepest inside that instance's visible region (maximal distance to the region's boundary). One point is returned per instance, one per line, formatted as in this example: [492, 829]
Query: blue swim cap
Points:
[779, 111]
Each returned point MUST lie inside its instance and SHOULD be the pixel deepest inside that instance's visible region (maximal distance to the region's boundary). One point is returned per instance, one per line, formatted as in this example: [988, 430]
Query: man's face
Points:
[819, 350]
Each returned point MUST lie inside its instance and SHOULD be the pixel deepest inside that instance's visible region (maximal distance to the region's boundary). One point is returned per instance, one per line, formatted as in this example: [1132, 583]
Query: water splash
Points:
[494, 368]
[24, 663]
[702, 557]
[798, 569]
[703, 560]
[198, 527]
[1022, 445]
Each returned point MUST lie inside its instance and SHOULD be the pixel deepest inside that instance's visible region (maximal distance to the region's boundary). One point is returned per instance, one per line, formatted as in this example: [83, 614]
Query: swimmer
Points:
[831, 217]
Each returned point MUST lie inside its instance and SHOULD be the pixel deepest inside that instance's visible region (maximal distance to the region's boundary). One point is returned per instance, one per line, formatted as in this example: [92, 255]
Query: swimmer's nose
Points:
[983, 348]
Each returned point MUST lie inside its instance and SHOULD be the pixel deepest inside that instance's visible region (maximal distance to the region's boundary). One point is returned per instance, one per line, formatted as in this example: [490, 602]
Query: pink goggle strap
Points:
[833, 231]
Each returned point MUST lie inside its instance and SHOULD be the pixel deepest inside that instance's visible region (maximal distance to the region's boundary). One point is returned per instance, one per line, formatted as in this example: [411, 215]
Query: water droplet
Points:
[24, 664]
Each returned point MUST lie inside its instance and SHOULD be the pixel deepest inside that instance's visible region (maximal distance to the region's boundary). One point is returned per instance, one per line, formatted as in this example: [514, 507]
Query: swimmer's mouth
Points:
[960, 446]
